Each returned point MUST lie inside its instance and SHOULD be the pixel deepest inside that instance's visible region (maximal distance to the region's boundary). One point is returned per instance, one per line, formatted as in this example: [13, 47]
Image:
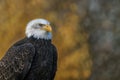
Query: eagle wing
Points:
[55, 57]
[17, 62]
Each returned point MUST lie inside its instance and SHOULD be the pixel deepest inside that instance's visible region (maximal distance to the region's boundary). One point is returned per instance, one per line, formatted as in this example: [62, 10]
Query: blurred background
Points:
[85, 32]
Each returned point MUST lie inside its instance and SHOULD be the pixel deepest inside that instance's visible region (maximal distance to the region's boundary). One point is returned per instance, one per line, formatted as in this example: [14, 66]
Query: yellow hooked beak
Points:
[47, 28]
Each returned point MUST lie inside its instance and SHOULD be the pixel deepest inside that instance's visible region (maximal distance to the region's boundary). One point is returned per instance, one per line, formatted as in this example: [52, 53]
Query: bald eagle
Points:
[32, 58]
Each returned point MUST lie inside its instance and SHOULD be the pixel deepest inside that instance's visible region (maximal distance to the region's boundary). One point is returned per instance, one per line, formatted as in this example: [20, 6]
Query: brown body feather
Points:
[29, 59]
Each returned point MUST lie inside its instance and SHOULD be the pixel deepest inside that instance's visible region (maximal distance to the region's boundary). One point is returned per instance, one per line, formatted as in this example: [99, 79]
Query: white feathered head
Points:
[39, 29]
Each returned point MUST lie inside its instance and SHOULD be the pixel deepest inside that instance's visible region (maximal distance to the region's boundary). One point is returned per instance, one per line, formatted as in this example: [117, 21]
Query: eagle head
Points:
[39, 29]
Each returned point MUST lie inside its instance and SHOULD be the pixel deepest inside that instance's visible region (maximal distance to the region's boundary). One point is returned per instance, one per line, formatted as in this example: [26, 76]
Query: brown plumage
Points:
[17, 62]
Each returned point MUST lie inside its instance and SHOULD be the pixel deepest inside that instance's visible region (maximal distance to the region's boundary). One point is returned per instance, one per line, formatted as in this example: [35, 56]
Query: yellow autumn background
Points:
[74, 61]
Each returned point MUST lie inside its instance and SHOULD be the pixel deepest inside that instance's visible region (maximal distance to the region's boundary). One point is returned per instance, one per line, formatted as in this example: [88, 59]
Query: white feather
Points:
[37, 33]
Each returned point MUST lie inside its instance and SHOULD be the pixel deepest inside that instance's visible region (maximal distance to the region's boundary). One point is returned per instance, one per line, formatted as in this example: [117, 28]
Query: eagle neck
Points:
[39, 41]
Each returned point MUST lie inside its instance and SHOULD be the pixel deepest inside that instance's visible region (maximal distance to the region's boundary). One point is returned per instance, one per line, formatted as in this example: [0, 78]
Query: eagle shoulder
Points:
[17, 62]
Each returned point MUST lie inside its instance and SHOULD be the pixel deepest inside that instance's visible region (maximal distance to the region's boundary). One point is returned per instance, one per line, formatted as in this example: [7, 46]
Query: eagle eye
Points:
[41, 25]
